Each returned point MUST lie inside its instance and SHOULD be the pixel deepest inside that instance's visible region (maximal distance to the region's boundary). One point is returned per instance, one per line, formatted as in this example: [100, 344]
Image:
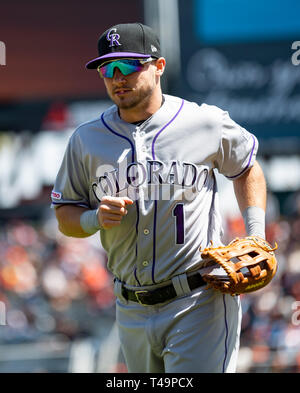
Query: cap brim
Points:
[99, 60]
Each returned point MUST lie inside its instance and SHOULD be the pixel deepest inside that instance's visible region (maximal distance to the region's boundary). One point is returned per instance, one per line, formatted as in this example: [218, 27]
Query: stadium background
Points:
[57, 305]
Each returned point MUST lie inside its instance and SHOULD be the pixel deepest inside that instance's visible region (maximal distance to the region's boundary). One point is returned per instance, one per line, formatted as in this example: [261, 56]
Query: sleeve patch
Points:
[56, 195]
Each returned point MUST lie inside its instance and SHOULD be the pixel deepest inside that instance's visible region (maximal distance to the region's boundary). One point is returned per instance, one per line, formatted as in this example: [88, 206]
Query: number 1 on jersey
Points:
[178, 213]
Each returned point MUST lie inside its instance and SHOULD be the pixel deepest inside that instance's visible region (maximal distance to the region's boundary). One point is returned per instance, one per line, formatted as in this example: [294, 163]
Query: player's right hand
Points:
[112, 210]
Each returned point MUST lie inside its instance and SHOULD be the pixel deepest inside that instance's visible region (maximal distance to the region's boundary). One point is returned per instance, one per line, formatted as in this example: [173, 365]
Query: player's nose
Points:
[118, 77]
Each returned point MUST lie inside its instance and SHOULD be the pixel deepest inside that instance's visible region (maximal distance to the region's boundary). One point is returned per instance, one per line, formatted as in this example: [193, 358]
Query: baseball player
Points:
[142, 174]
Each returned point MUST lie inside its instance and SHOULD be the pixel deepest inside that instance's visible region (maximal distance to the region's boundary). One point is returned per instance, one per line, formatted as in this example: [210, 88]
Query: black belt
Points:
[162, 294]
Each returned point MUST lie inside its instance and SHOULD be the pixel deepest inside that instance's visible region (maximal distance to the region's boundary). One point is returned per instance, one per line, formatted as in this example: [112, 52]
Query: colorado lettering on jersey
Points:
[138, 176]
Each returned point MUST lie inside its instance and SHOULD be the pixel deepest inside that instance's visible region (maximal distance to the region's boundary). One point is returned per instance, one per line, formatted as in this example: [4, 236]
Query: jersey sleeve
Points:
[237, 149]
[70, 186]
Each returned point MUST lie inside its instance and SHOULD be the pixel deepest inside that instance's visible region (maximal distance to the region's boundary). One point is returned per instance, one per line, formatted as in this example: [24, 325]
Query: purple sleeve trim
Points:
[71, 203]
[248, 164]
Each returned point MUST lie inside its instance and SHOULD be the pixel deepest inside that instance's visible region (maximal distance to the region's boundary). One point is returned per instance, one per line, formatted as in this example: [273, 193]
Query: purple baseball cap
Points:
[126, 40]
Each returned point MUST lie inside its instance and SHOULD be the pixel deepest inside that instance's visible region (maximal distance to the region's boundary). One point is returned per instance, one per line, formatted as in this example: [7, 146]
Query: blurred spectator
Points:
[50, 283]
[270, 340]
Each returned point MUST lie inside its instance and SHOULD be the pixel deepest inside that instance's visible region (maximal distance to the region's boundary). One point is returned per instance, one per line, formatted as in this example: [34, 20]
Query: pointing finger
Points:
[117, 201]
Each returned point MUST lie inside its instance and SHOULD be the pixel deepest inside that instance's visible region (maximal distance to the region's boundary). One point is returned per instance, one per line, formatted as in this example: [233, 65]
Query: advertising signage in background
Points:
[244, 57]
[47, 44]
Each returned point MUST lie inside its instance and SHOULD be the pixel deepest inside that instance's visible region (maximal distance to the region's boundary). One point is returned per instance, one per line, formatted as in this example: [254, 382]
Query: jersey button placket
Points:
[141, 157]
[139, 144]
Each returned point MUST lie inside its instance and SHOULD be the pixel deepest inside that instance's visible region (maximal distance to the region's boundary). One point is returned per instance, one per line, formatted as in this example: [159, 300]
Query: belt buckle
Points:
[137, 293]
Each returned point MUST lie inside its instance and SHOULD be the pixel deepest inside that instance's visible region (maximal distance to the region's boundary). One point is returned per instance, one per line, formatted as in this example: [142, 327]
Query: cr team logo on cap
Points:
[113, 37]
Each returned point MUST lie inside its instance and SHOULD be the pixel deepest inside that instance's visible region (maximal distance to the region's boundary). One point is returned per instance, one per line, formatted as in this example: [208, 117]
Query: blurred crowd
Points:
[270, 339]
[51, 284]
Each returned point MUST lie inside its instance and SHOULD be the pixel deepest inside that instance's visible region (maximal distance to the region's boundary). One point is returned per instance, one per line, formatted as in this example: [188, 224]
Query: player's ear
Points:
[160, 66]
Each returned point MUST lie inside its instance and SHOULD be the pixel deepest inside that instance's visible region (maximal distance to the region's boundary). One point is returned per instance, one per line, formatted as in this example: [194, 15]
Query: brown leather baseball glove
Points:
[249, 264]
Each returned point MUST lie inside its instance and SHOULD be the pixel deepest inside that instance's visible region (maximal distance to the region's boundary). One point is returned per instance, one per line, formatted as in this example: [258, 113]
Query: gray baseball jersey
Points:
[166, 165]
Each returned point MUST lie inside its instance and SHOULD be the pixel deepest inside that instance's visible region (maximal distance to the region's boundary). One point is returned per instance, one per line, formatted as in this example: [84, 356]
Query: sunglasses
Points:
[126, 66]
